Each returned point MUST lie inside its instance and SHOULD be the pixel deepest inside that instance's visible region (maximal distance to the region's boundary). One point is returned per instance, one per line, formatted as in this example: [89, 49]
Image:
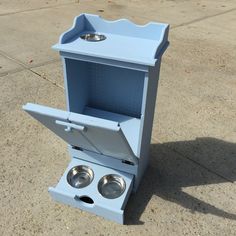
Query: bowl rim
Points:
[118, 179]
[78, 168]
[92, 36]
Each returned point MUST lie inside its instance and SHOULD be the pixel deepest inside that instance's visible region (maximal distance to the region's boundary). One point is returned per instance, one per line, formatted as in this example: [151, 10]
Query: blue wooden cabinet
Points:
[111, 72]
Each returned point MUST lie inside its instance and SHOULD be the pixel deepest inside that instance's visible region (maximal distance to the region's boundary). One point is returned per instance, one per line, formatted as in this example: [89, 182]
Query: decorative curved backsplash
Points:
[122, 40]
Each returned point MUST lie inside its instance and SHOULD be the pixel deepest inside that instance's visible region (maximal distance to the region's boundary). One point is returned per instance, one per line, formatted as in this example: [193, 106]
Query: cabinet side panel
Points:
[76, 80]
[148, 109]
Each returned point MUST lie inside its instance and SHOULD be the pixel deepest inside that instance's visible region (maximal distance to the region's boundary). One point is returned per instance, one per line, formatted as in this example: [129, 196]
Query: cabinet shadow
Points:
[176, 165]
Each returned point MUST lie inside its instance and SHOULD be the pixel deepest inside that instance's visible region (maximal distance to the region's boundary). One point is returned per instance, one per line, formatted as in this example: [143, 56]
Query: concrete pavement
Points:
[189, 188]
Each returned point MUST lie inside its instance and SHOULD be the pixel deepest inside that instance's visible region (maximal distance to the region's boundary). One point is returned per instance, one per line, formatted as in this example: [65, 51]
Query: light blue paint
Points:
[108, 208]
[102, 87]
[125, 41]
[111, 89]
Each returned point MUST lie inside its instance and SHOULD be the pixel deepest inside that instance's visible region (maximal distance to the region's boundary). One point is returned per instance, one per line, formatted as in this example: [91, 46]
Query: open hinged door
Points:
[86, 132]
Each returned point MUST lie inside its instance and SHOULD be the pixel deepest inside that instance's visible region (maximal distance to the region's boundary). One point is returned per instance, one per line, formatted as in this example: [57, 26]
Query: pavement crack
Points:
[35, 9]
[45, 78]
[3, 54]
[202, 18]
[29, 68]
[202, 166]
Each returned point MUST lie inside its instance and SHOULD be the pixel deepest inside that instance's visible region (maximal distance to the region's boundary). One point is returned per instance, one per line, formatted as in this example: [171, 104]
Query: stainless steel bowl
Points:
[93, 37]
[111, 186]
[80, 176]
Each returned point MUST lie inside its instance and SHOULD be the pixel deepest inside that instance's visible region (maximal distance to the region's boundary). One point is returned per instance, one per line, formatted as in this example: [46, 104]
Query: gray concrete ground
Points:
[189, 188]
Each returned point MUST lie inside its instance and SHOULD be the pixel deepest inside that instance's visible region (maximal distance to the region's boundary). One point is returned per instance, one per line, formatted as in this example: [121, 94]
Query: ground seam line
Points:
[203, 18]
[12, 71]
[24, 67]
[35, 9]
[199, 164]
[13, 59]
[43, 77]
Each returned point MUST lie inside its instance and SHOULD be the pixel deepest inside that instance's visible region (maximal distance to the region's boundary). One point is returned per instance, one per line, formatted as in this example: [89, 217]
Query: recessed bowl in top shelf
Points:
[93, 37]
[128, 42]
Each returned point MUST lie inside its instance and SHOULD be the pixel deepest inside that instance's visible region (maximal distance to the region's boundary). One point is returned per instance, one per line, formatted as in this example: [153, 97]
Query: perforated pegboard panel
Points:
[116, 89]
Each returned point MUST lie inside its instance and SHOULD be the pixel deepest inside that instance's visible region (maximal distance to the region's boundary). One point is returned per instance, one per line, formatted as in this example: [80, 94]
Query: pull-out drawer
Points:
[90, 198]
[87, 132]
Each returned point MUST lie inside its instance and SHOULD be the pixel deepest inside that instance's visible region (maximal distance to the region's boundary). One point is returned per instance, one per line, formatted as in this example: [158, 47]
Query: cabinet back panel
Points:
[108, 88]
[116, 89]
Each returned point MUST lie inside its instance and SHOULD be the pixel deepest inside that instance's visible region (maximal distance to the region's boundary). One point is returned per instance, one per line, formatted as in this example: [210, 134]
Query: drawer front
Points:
[112, 209]
[110, 214]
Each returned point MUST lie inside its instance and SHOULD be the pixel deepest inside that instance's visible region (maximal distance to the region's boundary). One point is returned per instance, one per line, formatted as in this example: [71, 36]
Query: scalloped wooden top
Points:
[125, 41]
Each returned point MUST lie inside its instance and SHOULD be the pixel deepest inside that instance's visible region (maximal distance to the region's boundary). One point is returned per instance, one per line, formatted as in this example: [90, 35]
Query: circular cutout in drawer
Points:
[111, 186]
[80, 176]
